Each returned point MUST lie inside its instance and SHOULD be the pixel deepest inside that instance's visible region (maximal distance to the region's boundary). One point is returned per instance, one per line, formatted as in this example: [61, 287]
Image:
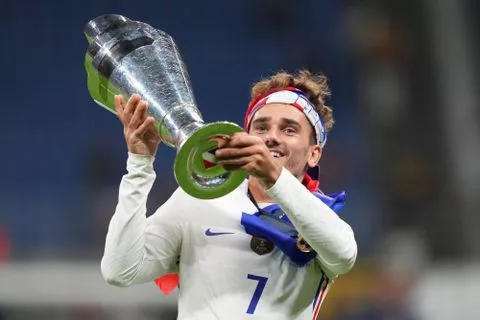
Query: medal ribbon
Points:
[272, 224]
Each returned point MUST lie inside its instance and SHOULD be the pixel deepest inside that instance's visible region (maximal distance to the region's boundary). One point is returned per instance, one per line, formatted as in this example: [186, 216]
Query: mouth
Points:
[276, 154]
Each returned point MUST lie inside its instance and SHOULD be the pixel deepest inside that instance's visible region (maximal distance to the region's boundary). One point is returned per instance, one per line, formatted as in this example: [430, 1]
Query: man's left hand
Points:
[250, 154]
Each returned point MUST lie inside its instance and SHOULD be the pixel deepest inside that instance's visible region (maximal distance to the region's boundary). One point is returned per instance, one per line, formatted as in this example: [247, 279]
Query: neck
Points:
[258, 191]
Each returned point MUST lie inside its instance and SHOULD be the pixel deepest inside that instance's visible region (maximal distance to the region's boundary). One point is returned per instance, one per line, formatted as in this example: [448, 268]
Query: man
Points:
[268, 250]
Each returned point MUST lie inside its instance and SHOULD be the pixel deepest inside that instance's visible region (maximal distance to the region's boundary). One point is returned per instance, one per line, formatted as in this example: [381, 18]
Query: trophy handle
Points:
[195, 169]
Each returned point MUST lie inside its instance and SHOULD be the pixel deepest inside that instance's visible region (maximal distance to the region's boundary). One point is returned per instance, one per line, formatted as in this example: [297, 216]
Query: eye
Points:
[260, 129]
[289, 131]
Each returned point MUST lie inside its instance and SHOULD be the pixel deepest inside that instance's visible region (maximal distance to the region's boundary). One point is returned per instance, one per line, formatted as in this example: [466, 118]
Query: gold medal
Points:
[303, 245]
[260, 245]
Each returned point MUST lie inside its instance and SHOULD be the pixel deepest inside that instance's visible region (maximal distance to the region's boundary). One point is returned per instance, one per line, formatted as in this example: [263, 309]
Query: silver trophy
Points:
[127, 57]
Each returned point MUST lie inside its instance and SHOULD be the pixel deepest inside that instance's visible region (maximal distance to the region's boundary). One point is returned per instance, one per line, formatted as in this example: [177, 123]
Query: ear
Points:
[315, 155]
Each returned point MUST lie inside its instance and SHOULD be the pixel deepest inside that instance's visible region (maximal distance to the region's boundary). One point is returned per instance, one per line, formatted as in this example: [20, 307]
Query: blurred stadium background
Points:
[406, 146]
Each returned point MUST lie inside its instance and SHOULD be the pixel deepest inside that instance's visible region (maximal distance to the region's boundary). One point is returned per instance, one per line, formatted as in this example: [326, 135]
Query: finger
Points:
[119, 104]
[119, 101]
[242, 139]
[220, 140]
[227, 153]
[235, 161]
[138, 116]
[231, 167]
[145, 126]
[247, 167]
[130, 107]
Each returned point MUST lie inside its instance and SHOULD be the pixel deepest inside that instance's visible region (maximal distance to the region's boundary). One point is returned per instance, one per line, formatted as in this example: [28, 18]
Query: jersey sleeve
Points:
[139, 249]
[330, 236]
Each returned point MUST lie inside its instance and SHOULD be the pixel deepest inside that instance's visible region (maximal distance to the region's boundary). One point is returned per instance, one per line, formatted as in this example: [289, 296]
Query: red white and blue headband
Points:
[290, 96]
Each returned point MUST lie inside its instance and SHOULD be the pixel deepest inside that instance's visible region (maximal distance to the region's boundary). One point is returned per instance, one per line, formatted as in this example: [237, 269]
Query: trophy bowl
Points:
[126, 57]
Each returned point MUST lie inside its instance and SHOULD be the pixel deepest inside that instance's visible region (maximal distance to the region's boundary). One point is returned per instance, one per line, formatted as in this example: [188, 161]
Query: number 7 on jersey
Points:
[262, 281]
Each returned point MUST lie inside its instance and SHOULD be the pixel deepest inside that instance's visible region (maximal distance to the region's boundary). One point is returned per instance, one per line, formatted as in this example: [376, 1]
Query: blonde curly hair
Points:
[314, 86]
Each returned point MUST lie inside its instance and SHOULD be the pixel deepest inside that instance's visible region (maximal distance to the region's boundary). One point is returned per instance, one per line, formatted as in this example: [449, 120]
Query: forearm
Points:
[124, 256]
[327, 234]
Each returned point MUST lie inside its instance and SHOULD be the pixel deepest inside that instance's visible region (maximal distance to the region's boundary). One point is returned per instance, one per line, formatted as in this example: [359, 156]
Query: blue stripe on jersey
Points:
[322, 279]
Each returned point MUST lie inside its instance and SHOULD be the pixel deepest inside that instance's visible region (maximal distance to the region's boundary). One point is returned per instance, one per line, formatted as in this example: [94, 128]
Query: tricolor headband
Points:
[294, 97]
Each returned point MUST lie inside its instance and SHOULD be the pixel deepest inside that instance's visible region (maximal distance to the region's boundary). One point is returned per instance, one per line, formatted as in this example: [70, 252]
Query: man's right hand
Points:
[140, 134]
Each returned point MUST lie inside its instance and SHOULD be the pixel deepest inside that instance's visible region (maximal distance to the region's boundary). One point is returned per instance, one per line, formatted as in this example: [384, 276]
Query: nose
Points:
[271, 138]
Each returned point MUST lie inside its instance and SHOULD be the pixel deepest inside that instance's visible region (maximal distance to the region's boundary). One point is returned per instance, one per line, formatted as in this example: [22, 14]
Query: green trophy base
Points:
[195, 169]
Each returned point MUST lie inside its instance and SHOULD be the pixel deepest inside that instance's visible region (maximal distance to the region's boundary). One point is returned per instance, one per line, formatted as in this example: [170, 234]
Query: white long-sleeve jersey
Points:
[204, 241]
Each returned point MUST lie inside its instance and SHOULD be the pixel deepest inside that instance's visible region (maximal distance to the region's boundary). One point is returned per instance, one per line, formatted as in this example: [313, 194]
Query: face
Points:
[288, 135]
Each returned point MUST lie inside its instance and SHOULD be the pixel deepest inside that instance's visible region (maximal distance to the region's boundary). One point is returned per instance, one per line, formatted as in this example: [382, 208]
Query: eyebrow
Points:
[291, 122]
[284, 120]
[261, 120]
